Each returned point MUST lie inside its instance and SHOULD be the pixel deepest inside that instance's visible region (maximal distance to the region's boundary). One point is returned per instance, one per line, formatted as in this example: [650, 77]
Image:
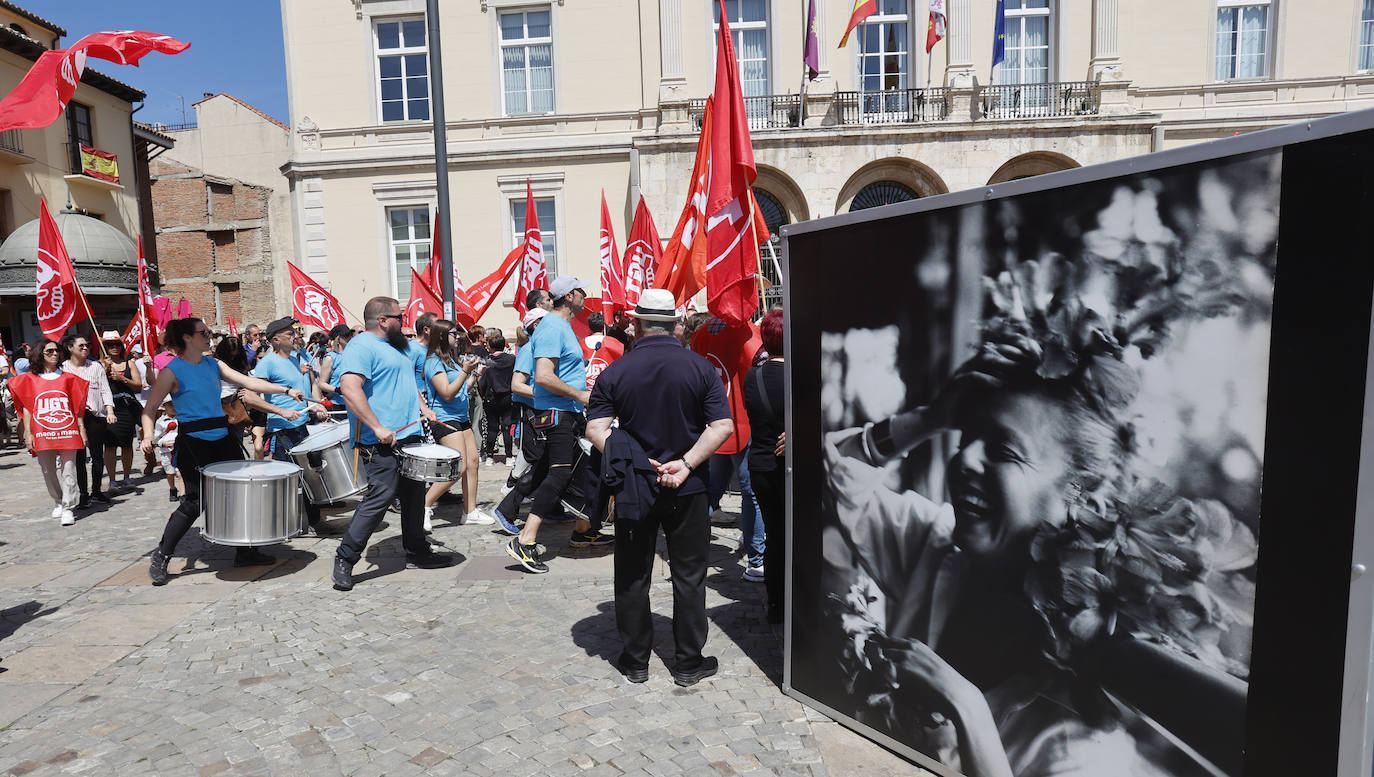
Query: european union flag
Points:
[999, 34]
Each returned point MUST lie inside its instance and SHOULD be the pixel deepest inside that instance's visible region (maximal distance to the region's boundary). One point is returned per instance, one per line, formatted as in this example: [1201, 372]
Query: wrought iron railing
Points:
[11, 140]
[1044, 100]
[769, 111]
[893, 106]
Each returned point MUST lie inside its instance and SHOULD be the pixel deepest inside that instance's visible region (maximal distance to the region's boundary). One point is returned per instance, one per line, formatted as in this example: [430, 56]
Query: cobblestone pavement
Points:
[478, 669]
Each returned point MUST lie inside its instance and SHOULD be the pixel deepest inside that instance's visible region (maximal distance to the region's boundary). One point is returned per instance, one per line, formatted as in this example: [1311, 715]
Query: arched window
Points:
[881, 193]
[774, 214]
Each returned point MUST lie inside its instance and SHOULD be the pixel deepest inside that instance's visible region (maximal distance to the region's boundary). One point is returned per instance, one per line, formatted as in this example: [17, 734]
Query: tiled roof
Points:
[31, 16]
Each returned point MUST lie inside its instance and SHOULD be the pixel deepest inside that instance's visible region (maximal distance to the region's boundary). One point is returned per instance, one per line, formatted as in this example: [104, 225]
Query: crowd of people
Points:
[621, 427]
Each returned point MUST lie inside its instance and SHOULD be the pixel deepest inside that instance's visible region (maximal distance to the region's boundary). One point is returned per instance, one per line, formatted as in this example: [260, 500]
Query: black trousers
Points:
[191, 454]
[498, 412]
[97, 431]
[685, 526]
[384, 482]
[532, 448]
[554, 471]
[281, 442]
[770, 489]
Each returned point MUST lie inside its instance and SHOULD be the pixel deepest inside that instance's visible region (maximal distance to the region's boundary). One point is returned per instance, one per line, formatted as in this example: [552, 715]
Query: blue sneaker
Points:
[507, 526]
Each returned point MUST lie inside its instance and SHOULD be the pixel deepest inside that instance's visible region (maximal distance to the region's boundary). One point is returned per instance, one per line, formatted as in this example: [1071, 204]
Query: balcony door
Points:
[885, 63]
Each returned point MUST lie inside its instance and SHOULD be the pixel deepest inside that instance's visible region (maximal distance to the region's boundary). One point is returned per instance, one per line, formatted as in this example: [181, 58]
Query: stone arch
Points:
[906, 172]
[1032, 163]
[785, 190]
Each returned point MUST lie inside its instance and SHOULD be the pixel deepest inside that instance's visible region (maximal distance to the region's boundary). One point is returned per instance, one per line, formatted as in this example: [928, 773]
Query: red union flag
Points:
[311, 304]
[484, 292]
[612, 273]
[434, 274]
[59, 299]
[732, 237]
[533, 272]
[135, 333]
[43, 93]
[233, 327]
[682, 268]
[642, 252]
[422, 300]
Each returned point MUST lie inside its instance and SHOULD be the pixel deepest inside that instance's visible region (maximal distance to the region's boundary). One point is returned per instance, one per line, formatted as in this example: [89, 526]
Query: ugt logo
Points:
[54, 410]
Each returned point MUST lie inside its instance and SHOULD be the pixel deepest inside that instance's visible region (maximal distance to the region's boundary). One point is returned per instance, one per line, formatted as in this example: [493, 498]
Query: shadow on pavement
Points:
[597, 635]
[13, 618]
[388, 557]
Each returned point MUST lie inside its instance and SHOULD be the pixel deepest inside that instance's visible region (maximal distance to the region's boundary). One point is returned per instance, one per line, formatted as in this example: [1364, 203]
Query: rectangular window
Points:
[1028, 42]
[409, 233]
[78, 132]
[1365, 60]
[402, 69]
[548, 228]
[885, 57]
[1242, 39]
[527, 62]
[749, 31]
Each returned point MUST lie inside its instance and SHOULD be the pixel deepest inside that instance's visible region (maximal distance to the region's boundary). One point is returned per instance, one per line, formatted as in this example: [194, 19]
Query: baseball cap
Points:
[564, 284]
[533, 315]
[279, 325]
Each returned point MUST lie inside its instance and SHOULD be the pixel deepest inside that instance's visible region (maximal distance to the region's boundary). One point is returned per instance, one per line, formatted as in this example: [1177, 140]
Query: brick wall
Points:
[221, 272]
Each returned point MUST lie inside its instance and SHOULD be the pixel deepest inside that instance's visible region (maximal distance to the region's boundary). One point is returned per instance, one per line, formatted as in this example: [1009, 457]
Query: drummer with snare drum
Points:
[286, 427]
[192, 381]
[378, 383]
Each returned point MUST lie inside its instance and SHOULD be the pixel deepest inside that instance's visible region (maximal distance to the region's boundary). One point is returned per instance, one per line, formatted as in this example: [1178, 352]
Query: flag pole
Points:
[89, 315]
[447, 288]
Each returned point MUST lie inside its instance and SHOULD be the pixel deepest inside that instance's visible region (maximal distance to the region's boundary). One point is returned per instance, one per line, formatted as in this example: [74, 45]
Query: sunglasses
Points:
[202, 332]
[300, 330]
[49, 350]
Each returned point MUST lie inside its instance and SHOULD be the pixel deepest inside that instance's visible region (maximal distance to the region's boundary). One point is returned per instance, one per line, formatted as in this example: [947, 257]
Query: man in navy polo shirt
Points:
[672, 404]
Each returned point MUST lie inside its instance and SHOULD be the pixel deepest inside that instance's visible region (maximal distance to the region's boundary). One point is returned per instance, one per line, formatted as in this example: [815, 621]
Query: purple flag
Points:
[811, 54]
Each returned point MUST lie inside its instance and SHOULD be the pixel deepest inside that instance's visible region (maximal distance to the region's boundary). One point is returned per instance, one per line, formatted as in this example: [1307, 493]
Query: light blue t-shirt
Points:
[388, 383]
[555, 339]
[524, 362]
[455, 409]
[283, 371]
[337, 397]
[418, 354]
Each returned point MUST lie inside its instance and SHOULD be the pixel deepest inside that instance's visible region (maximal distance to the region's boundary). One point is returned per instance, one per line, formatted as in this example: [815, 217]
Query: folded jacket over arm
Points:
[627, 472]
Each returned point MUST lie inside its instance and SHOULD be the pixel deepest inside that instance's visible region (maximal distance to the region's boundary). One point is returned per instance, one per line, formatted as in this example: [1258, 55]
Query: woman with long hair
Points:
[54, 429]
[192, 379]
[449, 366]
[125, 383]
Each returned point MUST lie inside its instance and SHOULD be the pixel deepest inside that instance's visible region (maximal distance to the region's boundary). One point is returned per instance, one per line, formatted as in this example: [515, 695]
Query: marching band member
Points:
[192, 380]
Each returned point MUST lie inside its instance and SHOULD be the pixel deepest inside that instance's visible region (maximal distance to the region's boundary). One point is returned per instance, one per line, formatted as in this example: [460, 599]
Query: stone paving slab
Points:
[478, 669]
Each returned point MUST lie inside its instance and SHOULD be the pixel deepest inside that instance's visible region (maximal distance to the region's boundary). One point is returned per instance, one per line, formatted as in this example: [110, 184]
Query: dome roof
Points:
[90, 241]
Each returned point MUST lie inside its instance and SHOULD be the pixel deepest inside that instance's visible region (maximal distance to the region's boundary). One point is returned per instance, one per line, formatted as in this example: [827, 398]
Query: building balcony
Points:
[768, 111]
[893, 106]
[1048, 100]
[12, 147]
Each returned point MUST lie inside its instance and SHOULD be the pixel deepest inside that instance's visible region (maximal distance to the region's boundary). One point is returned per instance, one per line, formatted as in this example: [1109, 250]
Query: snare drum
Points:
[430, 463]
[327, 465]
[251, 502]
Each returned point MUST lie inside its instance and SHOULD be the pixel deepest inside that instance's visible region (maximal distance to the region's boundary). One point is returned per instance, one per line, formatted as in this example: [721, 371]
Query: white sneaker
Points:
[429, 520]
[67, 518]
[478, 518]
[57, 511]
[754, 574]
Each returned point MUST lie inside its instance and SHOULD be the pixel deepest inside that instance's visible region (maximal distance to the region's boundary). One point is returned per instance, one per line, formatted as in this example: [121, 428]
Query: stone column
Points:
[959, 72]
[672, 83]
[1106, 62]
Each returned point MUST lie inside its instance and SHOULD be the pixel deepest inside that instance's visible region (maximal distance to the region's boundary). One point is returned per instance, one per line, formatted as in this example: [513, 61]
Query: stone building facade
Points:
[605, 96]
[214, 243]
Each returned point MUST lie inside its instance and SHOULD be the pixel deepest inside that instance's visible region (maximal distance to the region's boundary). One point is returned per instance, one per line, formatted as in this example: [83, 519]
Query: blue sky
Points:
[235, 47]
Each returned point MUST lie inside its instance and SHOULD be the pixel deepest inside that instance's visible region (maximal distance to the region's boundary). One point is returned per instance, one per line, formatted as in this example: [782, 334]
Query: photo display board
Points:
[1074, 462]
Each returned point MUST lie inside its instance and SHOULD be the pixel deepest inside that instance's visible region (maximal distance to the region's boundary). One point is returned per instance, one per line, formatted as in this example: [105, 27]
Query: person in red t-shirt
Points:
[52, 402]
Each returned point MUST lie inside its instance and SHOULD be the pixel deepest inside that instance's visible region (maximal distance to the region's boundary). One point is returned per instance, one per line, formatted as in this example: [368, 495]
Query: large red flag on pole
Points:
[732, 237]
[434, 273]
[682, 268]
[612, 273]
[136, 333]
[44, 92]
[484, 292]
[534, 274]
[423, 299]
[642, 252]
[59, 299]
[311, 304]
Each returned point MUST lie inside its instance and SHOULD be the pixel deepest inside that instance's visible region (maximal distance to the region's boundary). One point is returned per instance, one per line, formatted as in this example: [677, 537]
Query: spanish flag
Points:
[99, 164]
[862, 10]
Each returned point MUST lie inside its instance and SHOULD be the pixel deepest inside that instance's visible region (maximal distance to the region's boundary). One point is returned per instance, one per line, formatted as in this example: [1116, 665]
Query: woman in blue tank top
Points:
[448, 367]
[192, 381]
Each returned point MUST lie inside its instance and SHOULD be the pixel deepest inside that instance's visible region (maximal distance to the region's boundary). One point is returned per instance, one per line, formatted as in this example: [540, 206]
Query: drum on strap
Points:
[251, 502]
[326, 464]
[430, 463]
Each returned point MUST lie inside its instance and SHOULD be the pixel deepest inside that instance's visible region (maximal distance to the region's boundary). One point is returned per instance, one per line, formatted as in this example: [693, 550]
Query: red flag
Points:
[731, 350]
[936, 27]
[612, 273]
[135, 333]
[233, 327]
[862, 10]
[682, 268]
[484, 292]
[610, 350]
[423, 300]
[434, 273]
[60, 303]
[534, 274]
[311, 304]
[642, 252]
[732, 239]
[43, 93]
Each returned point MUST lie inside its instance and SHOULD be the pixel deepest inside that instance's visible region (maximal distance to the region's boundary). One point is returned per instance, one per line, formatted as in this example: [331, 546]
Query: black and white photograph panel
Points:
[1042, 451]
